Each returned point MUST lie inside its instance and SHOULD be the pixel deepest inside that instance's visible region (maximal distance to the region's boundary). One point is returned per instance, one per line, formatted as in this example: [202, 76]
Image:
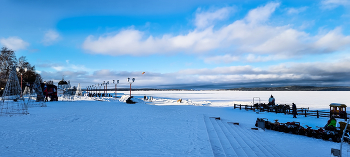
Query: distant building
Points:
[62, 86]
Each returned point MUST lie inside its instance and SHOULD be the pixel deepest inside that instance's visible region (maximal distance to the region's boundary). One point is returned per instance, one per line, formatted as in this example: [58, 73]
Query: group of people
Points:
[330, 124]
[294, 107]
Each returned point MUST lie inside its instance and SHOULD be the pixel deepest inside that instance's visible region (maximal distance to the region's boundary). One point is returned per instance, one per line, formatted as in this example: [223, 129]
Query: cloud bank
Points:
[253, 34]
[332, 73]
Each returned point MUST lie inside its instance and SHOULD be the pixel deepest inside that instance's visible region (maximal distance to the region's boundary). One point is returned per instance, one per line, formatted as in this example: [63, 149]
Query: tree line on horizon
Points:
[8, 59]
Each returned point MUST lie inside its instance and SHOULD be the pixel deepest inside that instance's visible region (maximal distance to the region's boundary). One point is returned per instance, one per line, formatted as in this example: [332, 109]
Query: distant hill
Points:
[293, 88]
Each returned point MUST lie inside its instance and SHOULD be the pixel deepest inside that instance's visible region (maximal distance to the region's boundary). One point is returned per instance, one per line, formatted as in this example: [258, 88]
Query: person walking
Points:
[271, 100]
[294, 107]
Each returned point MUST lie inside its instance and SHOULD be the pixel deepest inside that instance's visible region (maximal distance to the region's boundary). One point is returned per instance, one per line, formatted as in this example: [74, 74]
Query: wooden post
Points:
[305, 112]
[240, 107]
[317, 114]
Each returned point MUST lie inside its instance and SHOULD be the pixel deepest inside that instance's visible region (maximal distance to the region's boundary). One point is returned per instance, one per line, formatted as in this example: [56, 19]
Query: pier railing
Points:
[286, 109]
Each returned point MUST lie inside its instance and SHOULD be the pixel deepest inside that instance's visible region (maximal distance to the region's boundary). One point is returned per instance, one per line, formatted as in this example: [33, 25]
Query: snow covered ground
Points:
[163, 127]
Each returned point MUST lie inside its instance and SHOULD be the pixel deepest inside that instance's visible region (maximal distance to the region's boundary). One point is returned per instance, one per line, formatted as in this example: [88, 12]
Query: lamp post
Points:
[91, 90]
[2, 91]
[106, 87]
[18, 70]
[96, 89]
[131, 81]
[100, 89]
[115, 92]
[88, 92]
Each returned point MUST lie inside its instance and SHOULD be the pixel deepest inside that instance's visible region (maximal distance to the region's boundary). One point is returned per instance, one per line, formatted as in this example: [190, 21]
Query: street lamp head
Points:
[133, 79]
[128, 79]
[25, 69]
[17, 69]
[113, 81]
[117, 81]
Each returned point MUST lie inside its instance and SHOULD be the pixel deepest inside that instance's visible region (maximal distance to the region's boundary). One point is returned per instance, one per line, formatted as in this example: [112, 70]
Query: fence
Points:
[286, 109]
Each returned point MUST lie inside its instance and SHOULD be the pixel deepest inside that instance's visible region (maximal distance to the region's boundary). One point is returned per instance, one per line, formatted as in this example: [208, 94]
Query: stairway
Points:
[231, 139]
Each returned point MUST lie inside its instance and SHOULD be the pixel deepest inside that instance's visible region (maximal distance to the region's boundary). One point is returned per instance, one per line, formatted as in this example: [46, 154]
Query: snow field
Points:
[163, 127]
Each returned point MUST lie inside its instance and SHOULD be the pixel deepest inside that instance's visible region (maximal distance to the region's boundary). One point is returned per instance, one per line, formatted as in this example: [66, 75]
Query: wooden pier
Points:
[286, 109]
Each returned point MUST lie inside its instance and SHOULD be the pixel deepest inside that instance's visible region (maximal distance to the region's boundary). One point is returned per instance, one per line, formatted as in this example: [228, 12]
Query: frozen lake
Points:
[313, 99]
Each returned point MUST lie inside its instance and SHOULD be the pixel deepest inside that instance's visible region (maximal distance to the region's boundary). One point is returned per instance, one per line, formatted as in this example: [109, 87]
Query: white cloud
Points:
[219, 59]
[14, 43]
[331, 4]
[205, 19]
[250, 35]
[263, 58]
[58, 68]
[332, 41]
[296, 10]
[261, 14]
[50, 37]
[64, 67]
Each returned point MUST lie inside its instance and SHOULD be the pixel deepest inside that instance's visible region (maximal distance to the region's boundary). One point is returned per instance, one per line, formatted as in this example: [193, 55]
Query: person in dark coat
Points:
[294, 107]
[271, 100]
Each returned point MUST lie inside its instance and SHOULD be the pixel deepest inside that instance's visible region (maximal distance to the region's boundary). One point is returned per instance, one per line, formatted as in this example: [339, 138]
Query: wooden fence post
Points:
[318, 116]
[305, 112]
[240, 107]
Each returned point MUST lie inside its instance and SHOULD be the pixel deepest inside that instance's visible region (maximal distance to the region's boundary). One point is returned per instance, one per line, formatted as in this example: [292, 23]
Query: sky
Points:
[197, 44]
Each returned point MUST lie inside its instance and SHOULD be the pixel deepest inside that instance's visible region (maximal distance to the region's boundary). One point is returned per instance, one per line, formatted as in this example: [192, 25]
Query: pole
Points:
[130, 89]
[21, 85]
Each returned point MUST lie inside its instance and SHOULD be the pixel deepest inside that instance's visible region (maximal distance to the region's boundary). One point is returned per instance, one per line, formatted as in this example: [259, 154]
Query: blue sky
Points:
[181, 44]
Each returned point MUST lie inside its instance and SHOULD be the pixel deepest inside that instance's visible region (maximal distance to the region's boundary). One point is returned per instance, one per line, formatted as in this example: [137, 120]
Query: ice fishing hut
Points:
[338, 110]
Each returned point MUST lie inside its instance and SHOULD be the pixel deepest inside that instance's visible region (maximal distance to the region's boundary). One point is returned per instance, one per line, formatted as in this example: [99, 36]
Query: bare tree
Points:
[7, 61]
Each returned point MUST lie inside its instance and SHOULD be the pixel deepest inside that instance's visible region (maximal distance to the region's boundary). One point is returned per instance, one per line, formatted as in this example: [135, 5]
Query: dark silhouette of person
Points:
[271, 100]
[294, 107]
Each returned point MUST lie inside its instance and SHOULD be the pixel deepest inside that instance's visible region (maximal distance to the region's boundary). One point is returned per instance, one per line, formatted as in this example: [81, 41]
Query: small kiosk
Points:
[338, 110]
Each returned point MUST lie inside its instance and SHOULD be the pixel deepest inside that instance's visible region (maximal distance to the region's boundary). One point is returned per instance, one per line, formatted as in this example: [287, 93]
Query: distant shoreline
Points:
[284, 88]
